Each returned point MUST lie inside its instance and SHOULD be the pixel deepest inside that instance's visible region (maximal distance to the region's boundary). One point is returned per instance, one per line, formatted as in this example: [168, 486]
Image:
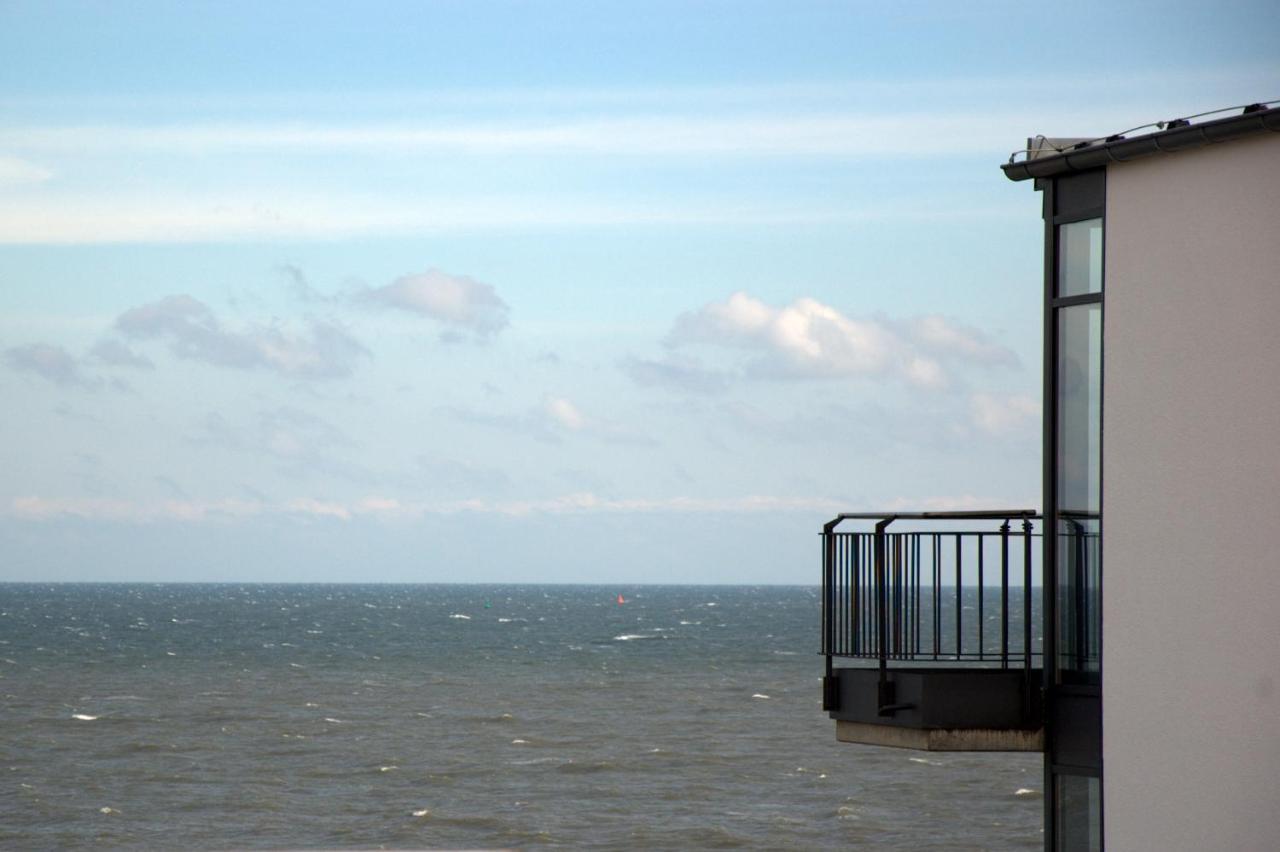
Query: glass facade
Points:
[1073, 507]
[1079, 489]
[1078, 801]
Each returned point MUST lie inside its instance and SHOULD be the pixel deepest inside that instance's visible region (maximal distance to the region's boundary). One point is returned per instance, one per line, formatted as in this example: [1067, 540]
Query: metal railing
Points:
[964, 592]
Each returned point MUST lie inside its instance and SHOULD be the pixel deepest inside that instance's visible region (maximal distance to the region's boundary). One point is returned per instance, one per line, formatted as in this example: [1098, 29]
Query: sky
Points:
[537, 292]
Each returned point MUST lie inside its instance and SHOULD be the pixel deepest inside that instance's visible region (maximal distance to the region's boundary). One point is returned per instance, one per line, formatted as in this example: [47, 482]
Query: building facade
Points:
[1155, 649]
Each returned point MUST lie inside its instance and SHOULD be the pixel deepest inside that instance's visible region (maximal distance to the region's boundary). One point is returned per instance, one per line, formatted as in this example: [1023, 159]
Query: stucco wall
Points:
[1191, 500]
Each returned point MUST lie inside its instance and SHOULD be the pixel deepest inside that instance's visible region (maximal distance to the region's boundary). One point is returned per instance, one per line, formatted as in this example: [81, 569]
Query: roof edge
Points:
[1176, 136]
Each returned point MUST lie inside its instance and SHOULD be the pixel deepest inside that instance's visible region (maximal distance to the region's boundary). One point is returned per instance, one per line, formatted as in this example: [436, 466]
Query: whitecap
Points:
[170, 654]
[297, 666]
[1025, 791]
[108, 811]
[519, 742]
[504, 621]
[926, 762]
[422, 813]
[387, 768]
[460, 616]
[627, 637]
[84, 717]
[334, 721]
[311, 704]
[759, 695]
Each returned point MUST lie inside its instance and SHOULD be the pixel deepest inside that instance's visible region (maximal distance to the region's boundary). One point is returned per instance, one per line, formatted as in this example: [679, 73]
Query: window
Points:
[1080, 258]
[1078, 802]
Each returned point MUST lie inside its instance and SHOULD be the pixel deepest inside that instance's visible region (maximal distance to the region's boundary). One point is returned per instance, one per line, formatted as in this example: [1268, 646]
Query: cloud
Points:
[563, 413]
[380, 507]
[1003, 414]
[958, 503]
[807, 339]
[552, 420]
[113, 353]
[452, 475]
[50, 362]
[258, 214]
[15, 172]
[943, 337]
[298, 285]
[322, 351]
[890, 133]
[458, 302]
[301, 443]
[680, 374]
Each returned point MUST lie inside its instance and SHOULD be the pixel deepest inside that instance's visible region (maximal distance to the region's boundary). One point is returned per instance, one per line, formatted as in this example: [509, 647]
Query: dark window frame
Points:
[1084, 198]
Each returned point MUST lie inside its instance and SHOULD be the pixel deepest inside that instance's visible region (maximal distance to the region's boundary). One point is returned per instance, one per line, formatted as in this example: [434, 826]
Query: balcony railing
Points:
[936, 590]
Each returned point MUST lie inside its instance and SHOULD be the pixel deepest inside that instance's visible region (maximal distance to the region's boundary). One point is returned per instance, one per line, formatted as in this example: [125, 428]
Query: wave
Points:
[575, 768]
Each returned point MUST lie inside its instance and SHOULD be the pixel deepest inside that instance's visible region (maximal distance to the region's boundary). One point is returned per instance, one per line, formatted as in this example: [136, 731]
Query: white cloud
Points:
[34, 508]
[278, 214]
[15, 172]
[113, 353]
[958, 503]
[942, 336]
[50, 362]
[564, 413]
[1004, 414]
[806, 339]
[680, 373]
[322, 351]
[824, 128]
[456, 301]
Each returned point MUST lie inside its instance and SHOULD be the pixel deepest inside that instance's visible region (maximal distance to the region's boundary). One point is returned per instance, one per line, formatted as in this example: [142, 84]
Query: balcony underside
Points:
[940, 739]
[938, 709]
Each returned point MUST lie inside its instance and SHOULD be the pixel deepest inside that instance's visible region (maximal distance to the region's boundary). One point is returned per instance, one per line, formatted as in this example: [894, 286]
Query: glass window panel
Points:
[1079, 449]
[1079, 492]
[1077, 819]
[1079, 600]
[1080, 258]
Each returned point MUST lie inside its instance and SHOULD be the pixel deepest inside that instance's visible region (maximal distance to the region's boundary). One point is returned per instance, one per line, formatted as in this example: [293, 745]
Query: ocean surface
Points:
[457, 716]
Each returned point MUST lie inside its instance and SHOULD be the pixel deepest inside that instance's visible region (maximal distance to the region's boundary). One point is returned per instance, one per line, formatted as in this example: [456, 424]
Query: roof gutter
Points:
[1118, 149]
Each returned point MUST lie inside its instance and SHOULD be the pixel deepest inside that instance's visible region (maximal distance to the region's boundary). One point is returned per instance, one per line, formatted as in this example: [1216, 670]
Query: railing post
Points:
[1026, 616]
[830, 686]
[1004, 595]
[826, 595]
[886, 696]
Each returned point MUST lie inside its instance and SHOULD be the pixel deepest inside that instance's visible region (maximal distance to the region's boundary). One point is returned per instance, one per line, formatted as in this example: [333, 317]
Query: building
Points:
[1132, 631]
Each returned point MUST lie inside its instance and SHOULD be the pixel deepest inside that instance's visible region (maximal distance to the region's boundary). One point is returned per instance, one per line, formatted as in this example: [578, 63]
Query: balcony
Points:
[931, 630]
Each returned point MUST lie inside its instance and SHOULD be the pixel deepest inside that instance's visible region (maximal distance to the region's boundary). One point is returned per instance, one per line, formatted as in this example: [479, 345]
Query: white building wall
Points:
[1191, 500]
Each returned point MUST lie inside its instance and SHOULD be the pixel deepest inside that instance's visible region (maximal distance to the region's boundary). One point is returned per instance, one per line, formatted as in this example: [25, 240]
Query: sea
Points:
[188, 716]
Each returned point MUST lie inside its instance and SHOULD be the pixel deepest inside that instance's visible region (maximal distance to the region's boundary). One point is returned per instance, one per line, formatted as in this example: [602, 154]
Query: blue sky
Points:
[536, 291]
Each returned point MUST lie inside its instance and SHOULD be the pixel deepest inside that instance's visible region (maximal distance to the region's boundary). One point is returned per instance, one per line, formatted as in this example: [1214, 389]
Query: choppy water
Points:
[218, 716]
